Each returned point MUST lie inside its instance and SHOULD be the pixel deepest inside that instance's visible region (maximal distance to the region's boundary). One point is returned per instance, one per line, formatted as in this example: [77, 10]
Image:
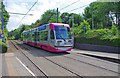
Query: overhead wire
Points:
[53, 14]
[78, 8]
[18, 13]
[27, 12]
[69, 4]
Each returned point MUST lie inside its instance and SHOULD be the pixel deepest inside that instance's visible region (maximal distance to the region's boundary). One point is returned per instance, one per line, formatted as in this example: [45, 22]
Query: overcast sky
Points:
[22, 6]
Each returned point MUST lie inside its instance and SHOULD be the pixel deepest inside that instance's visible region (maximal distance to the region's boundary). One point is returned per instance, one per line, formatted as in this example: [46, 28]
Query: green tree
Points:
[6, 18]
[82, 28]
[103, 14]
[114, 30]
[67, 18]
[49, 16]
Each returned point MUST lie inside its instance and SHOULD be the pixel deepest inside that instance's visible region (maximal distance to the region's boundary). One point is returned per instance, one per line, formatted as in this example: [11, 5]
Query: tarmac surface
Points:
[24, 60]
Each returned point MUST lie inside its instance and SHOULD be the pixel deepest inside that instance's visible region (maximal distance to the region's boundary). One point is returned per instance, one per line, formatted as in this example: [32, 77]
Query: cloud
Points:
[37, 11]
[22, 6]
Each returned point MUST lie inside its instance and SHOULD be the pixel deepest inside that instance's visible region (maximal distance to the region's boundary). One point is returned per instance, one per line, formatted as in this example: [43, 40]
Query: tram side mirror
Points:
[68, 29]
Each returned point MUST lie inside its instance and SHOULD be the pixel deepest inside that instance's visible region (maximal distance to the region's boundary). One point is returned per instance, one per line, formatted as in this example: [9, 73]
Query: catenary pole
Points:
[2, 16]
[57, 16]
[73, 30]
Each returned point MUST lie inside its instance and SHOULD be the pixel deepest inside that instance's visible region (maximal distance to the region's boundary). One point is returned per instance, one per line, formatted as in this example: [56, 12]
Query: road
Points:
[24, 60]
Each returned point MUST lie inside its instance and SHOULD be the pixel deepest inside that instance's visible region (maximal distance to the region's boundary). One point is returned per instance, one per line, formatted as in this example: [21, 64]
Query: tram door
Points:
[52, 37]
[36, 37]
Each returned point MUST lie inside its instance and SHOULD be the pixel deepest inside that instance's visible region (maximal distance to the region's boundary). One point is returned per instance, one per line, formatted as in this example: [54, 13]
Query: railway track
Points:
[117, 61]
[72, 59]
[81, 61]
[91, 64]
[77, 75]
[45, 75]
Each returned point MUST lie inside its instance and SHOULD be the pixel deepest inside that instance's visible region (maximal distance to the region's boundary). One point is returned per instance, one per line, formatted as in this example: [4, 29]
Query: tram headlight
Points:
[58, 42]
[70, 41]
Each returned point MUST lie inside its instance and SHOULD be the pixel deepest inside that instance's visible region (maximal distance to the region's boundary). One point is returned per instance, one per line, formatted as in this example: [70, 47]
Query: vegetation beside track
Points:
[105, 37]
[3, 47]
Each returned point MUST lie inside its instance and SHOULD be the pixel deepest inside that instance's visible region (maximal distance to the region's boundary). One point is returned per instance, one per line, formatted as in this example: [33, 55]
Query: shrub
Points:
[106, 42]
[80, 29]
[114, 30]
[100, 37]
[84, 24]
[3, 47]
[100, 33]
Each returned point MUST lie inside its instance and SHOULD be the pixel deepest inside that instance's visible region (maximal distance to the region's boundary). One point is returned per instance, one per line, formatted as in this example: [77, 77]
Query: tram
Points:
[53, 37]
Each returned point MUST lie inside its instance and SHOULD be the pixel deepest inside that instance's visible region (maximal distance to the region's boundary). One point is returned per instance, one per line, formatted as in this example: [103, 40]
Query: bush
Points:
[96, 41]
[82, 28]
[114, 30]
[100, 33]
[84, 24]
[3, 47]
[109, 37]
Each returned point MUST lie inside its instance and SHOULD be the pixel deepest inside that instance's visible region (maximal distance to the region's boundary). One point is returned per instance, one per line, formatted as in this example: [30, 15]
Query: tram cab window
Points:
[52, 34]
[69, 33]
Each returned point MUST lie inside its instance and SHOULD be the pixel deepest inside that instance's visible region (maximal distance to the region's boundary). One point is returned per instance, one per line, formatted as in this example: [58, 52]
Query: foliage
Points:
[86, 24]
[97, 33]
[3, 46]
[96, 41]
[6, 18]
[16, 34]
[80, 29]
[103, 14]
[100, 37]
[114, 30]
[48, 16]
[67, 18]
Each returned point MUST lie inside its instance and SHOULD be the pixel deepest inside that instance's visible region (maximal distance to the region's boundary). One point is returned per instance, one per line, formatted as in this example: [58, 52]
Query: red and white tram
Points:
[54, 37]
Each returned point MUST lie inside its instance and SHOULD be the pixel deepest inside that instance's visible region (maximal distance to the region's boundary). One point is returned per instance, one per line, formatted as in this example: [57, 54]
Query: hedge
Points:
[97, 41]
[3, 47]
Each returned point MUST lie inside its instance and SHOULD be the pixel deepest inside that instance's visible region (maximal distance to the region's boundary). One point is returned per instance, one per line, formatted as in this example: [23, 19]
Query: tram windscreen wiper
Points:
[62, 37]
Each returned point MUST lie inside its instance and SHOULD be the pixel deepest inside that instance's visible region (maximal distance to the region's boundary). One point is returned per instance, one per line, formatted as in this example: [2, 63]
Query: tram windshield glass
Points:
[62, 32]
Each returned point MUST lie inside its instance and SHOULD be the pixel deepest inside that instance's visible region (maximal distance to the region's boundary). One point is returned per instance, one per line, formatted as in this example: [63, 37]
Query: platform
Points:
[97, 53]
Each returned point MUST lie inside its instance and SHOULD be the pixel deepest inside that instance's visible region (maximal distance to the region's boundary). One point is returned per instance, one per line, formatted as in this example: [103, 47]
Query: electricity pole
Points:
[57, 16]
[73, 30]
[72, 17]
[2, 17]
[92, 19]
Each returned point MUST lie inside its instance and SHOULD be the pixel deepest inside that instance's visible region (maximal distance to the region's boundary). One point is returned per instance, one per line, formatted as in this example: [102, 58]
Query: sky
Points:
[22, 6]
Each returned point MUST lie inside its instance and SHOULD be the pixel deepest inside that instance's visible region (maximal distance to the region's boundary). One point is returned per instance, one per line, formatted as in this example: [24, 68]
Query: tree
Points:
[77, 18]
[49, 16]
[103, 13]
[82, 28]
[6, 18]
[66, 17]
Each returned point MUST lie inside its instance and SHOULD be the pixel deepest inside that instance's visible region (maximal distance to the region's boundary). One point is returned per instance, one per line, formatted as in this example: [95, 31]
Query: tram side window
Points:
[51, 34]
[44, 35]
[41, 36]
[38, 34]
